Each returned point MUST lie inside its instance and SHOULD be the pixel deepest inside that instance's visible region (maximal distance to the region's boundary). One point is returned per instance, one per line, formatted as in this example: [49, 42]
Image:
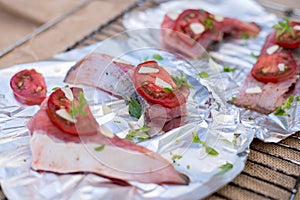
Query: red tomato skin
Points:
[85, 125]
[145, 86]
[272, 62]
[286, 40]
[29, 87]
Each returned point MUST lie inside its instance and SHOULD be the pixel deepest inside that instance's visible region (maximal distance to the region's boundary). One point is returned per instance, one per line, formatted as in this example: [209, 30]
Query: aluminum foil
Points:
[235, 53]
[215, 124]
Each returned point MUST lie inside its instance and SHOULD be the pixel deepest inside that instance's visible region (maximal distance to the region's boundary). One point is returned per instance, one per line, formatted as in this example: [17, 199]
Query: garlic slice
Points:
[65, 115]
[161, 83]
[68, 93]
[253, 90]
[146, 70]
[272, 49]
[197, 28]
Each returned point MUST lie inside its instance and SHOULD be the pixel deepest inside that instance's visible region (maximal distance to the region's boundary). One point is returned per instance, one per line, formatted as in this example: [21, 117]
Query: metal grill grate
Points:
[272, 170]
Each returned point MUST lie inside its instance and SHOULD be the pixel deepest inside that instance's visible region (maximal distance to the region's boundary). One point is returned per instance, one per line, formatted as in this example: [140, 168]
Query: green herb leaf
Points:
[253, 55]
[280, 112]
[80, 109]
[211, 151]
[298, 98]
[188, 167]
[226, 68]
[251, 118]
[203, 75]
[138, 135]
[100, 148]
[168, 90]
[245, 36]
[195, 139]
[157, 57]
[208, 23]
[181, 81]
[55, 88]
[135, 109]
[288, 103]
[283, 27]
[225, 168]
[176, 157]
[233, 98]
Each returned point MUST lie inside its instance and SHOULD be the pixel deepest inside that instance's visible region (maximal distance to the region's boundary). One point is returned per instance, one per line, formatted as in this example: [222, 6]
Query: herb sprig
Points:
[134, 108]
[209, 150]
[203, 74]
[138, 135]
[283, 27]
[226, 68]
[225, 168]
[282, 110]
[80, 108]
[181, 81]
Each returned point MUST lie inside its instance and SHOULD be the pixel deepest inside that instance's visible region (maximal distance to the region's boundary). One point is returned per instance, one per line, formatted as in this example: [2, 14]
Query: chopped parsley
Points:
[281, 110]
[298, 98]
[251, 118]
[245, 36]
[135, 109]
[188, 167]
[253, 55]
[100, 148]
[226, 68]
[225, 168]
[157, 57]
[233, 98]
[283, 27]
[80, 108]
[55, 88]
[176, 157]
[168, 90]
[203, 75]
[208, 23]
[181, 81]
[138, 135]
[209, 150]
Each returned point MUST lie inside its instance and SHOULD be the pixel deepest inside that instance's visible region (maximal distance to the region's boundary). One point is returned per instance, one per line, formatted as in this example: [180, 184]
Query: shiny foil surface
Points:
[222, 126]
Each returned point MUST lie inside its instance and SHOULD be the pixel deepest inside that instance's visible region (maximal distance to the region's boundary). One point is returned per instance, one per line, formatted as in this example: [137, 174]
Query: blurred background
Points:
[36, 29]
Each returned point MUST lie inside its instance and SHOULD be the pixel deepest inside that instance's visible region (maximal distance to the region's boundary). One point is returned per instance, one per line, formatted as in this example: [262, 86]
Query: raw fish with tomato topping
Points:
[164, 100]
[275, 74]
[195, 29]
[65, 138]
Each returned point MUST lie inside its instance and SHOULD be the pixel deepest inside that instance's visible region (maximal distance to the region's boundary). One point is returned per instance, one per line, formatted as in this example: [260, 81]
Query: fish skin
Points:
[99, 70]
[54, 151]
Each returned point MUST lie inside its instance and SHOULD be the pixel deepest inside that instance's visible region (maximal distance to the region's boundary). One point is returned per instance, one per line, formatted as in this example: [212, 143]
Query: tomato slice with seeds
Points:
[286, 40]
[85, 123]
[29, 87]
[267, 67]
[155, 94]
[211, 28]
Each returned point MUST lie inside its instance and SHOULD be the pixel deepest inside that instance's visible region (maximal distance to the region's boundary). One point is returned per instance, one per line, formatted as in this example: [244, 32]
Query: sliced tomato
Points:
[267, 67]
[146, 87]
[29, 87]
[85, 123]
[212, 28]
[286, 40]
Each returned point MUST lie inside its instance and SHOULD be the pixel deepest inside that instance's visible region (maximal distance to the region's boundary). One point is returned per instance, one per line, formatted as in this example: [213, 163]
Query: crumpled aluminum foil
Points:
[216, 123]
[236, 54]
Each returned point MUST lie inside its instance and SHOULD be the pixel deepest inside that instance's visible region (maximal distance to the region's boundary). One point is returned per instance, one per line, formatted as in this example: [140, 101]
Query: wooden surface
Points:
[20, 17]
